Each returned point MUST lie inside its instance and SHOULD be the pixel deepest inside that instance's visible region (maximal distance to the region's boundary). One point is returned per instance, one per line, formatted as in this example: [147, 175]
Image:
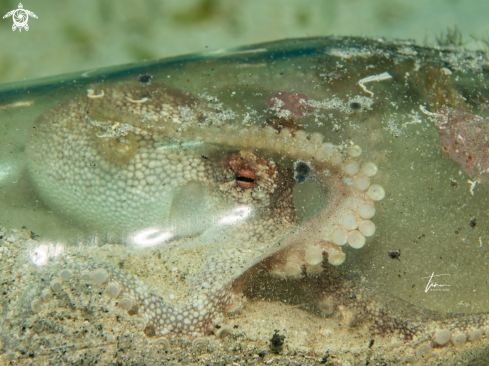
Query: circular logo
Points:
[20, 18]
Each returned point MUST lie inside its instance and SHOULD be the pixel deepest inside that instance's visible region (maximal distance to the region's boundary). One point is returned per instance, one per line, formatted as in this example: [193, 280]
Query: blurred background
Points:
[77, 35]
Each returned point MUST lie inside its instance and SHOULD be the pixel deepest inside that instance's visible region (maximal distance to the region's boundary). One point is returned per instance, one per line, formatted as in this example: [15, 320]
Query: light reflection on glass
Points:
[41, 254]
[239, 214]
[6, 172]
[150, 237]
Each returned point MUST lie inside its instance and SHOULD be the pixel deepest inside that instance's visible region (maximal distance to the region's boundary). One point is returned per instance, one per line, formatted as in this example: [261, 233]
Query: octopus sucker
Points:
[167, 210]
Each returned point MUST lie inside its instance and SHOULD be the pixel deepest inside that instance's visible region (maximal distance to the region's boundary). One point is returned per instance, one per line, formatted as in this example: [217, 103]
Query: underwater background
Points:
[80, 35]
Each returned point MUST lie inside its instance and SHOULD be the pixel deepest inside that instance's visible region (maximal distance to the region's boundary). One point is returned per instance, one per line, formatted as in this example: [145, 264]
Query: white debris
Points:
[369, 79]
[472, 186]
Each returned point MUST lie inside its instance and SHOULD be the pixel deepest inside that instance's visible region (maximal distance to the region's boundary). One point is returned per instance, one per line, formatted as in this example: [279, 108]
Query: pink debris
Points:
[295, 103]
[464, 138]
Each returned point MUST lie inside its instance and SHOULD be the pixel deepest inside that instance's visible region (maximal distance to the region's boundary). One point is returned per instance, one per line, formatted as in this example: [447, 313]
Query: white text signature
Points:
[432, 285]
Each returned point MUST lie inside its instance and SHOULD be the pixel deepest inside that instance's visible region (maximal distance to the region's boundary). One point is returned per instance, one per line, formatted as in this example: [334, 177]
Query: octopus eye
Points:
[246, 178]
[249, 179]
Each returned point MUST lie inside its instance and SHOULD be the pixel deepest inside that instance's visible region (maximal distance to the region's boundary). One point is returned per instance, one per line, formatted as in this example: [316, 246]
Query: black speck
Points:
[235, 326]
[353, 297]
[325, 358]
[371, 343]
[473, 222]
[277, 342]
[205, 157]
[145, 78]
[355, 106]
[395, 254]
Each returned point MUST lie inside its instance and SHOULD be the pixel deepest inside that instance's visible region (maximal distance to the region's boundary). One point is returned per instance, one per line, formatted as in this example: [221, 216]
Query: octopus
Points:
[214, 208]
